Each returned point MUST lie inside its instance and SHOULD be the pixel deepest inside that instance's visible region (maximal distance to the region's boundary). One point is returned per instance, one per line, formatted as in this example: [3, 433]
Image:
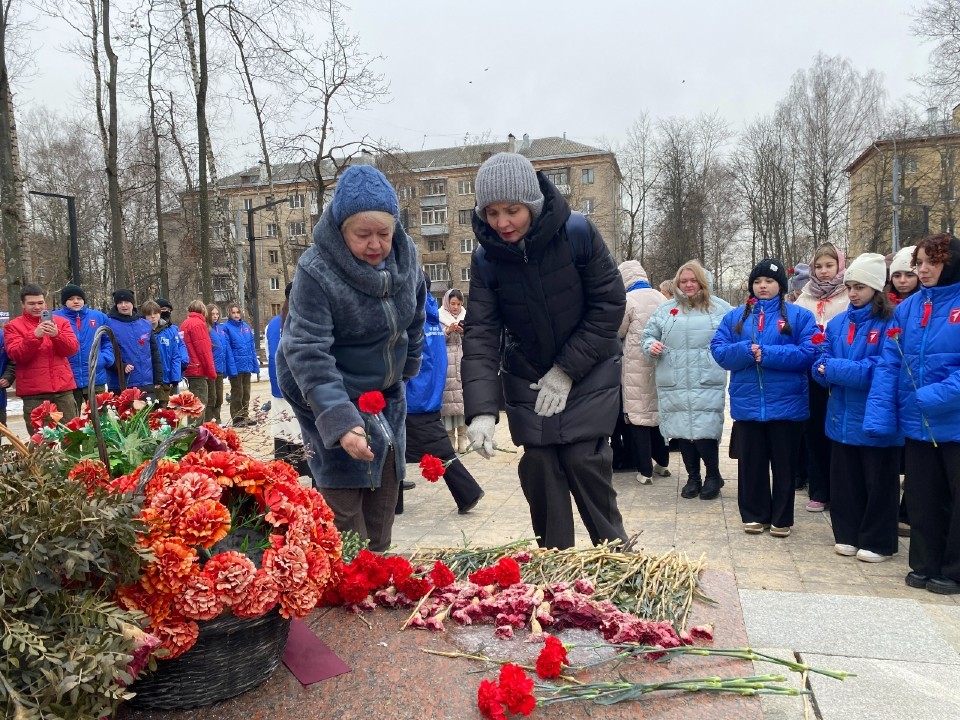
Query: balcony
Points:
[429, 230]
[433, 201]
[564, 190]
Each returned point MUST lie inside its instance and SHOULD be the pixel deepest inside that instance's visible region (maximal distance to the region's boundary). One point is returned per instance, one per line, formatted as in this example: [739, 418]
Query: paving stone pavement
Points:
[798, 598]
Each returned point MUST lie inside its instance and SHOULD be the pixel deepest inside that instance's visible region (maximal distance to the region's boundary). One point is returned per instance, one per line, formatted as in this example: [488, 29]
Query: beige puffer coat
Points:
[453, 390]
[638, 380]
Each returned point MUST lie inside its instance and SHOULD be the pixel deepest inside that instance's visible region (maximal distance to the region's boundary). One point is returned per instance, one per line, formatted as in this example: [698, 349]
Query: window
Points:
[220, 282]
[910, 164]
[405, 218]
[468, 244]
[465, 217]
[911, 195]
[296, 201]
[434, 187]
[275, 308]
[465, 274]
[247, 204]
[948, 192]
[297, 229]
[437, 272]
[274, 283]
[435, 246]
[865, 210]
[407, 192]
[588, 207]
[947, 161]
[557, 177]
[465, 187]
[273, 256]
[586, 176]
[433, 216]
[271, 230]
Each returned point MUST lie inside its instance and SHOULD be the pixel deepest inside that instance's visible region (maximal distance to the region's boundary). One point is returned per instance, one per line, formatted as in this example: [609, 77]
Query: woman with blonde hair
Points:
[690, 384]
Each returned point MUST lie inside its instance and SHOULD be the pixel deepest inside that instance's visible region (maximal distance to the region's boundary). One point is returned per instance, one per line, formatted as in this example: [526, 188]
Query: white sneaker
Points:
[661, 471]
[870, 556]
[644, 480]
[845, 550]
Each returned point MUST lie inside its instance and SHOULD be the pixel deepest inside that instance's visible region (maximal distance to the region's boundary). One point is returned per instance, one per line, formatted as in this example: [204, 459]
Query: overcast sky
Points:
[586, 69]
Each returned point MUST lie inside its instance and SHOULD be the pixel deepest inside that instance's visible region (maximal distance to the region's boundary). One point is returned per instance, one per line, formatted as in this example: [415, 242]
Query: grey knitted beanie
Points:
[508, 177]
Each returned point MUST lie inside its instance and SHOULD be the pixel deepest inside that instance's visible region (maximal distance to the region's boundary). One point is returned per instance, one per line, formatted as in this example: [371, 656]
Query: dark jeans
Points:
[648, 447]
[864, 494]
[551, 473]
[694, 452]
[427, 436]
[64, 401]
[215, 397]
[766, 446]
[239, 396]
[367, 511]
[933, 499]
[818, 445]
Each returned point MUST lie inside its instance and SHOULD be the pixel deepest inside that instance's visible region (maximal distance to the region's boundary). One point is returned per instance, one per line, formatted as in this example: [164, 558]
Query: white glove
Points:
[480, 433]
[554, 388]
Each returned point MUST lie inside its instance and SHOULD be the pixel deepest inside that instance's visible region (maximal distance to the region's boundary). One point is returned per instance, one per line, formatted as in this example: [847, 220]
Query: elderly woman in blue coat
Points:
[690, 385]
[766, 345]
[355, 325]
[916, 391]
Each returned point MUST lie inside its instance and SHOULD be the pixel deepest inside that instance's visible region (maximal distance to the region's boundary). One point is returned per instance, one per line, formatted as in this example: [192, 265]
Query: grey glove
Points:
[554, 388]
[480, 433]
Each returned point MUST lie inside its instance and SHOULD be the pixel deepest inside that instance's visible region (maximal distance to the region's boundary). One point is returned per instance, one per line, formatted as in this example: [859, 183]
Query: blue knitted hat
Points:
[362, 188]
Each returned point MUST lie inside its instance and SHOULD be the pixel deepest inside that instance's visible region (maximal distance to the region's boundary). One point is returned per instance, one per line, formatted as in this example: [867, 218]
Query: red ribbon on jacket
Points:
[927, 309]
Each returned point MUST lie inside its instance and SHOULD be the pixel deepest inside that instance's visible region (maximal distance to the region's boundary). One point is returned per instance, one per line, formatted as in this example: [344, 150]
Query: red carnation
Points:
[432, 467]
[508, 572]
[818, 338]
[893, 332]
[484, 576]
[441, 575]
[516, 690]
[552, 659]
[751, 301]
[674, 311]
[372, 402]
[488, 701]
[790, 271]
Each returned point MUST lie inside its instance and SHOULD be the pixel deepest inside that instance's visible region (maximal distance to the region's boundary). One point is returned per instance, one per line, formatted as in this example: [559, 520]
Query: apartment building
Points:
[926, 162]
[436, 192]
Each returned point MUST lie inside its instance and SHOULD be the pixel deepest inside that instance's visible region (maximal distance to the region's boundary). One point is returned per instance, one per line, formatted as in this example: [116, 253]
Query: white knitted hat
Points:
[868, 269]
[903, 261]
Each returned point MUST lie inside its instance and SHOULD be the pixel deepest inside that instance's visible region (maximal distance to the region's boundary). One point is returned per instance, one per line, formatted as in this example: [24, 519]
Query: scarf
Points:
[446, 312]
[639, 285]
[823, 290]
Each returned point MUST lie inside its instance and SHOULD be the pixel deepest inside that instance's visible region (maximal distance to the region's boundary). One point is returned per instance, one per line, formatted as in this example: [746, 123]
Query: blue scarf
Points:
[639, 285]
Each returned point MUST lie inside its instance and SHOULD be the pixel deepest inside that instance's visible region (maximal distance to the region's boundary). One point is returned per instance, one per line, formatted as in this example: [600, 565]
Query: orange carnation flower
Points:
[186, 404]
[205, 523]
[173, 564]
[177, 636]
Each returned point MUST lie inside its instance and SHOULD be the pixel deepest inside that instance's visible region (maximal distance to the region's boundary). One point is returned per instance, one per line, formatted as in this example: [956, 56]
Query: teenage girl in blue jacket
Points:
[916, 390]
[864, 470]
[765, 344]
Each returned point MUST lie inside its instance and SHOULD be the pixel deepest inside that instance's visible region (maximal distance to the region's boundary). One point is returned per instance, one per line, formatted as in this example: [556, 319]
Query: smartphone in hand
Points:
[46, 316]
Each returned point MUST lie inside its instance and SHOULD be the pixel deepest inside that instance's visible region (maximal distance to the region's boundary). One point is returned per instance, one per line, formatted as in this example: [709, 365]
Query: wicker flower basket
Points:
[232, 655]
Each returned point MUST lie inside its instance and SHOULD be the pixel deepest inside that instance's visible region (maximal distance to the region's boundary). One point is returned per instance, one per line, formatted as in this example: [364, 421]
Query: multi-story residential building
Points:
[436, 191]
[926, 161]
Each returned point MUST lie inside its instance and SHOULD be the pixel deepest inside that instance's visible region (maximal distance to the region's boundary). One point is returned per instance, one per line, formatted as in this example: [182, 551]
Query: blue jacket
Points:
[138, 347]
[273, 331]
[243, 346]
[776, 389]
[351, 328]
[222, 354]
[925, 378]
[173, 352]
[84, 323]
[425, 391]
[855, 339]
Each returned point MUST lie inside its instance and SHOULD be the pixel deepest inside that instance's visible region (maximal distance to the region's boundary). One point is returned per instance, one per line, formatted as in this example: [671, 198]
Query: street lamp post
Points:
[254, 285]
[74, 240]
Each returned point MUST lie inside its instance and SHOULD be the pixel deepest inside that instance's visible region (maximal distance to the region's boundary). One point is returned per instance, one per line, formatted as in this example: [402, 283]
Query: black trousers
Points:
[933, 501]
[551, 473]
[818, 444]
[293, 453]
[864, 496]
[766, 446]
[648, 447]
[694, 452]
[427, 436]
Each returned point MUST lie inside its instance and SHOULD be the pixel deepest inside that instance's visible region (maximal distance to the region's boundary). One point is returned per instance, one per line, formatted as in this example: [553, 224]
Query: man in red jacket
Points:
[40, 344]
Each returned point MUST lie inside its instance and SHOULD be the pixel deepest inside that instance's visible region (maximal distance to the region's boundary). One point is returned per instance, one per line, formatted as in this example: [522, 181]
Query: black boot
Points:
[711, 487]
[692, 488]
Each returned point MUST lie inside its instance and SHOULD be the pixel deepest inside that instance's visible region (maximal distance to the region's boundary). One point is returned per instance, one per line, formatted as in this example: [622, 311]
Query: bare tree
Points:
[639, 177]
[938, 21]
[833, 111]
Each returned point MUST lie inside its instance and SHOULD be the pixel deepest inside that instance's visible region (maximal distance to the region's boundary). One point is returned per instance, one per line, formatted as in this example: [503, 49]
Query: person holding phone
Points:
[452, 315]
[40, 344]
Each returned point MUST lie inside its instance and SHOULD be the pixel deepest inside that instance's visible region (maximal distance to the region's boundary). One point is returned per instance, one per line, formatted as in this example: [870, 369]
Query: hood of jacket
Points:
[334, 254]
[542, 232]
[950, 275]
[632, 271]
